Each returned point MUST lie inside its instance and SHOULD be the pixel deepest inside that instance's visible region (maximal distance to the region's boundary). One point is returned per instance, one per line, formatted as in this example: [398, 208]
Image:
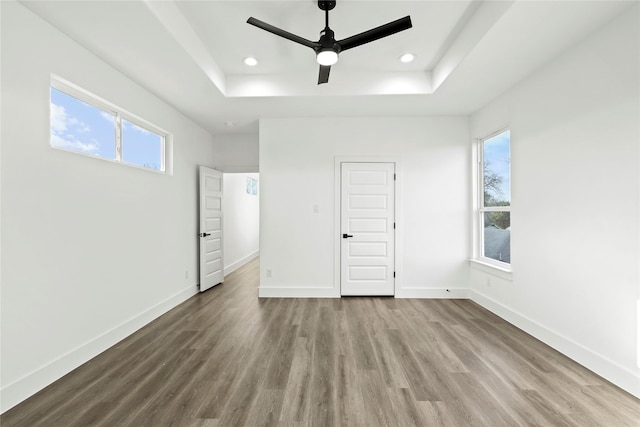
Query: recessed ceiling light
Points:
[407, 57]
[229, 124]
[250, 61]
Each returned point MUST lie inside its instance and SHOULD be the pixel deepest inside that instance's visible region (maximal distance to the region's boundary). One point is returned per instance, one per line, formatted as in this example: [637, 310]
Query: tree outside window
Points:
[495, 200]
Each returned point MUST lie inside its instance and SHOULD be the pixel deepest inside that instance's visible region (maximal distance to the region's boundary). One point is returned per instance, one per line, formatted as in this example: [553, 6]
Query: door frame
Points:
[338, 215]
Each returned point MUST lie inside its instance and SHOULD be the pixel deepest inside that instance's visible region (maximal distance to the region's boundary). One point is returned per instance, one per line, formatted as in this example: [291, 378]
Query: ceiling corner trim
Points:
[482, 17]
[168, 14]
[347, 84]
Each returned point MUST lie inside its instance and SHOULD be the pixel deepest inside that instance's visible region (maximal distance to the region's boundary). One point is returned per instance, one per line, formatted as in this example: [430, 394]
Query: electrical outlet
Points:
[488, 282]
[268, 272]
[186, 274]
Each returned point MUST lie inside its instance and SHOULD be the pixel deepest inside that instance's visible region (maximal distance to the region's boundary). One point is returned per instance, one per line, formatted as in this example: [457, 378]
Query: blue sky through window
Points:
[140, 146]
[78, 126]
[497, 159]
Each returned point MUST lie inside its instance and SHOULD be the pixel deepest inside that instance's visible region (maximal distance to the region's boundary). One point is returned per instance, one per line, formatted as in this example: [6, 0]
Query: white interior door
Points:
[367, 225]
[211, 259]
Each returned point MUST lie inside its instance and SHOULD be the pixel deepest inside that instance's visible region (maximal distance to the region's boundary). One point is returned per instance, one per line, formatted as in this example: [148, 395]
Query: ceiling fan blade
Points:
[323, 76]
[282, 33]
[376, 33]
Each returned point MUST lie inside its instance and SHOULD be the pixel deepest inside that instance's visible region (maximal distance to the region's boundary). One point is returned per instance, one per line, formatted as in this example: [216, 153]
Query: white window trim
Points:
[120, 114]
[479, 260]
[491, 268]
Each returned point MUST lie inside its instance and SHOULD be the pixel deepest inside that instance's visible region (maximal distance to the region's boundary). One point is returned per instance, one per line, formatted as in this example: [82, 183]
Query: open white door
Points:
[211, 260]
[367, 223]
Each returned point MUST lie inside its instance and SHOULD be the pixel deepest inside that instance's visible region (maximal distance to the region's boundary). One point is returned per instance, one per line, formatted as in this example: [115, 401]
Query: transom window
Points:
[494, 194]
[85, 124]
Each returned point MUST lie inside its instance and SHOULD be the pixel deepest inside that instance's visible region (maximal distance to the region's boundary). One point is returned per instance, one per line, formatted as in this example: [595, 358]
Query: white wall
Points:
[241, 222]
[575, 239]
[239, 153]
[91, 250]
[297, 162]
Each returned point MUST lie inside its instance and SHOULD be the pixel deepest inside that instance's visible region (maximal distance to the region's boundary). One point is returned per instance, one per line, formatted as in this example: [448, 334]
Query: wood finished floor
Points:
[227, 358]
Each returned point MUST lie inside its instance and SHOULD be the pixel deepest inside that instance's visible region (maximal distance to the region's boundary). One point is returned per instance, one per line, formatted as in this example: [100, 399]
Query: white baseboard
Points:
[266, 292]
[28, 385]
[611, 371]
[444, 293]
[433, 293]
[228, 269]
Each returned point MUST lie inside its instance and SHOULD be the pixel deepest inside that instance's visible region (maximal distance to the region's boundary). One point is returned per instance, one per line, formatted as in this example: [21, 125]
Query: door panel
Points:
[367, 273]
[365, 249]
[368, 225]
[367, 218]
[367, 202]
[211, 256]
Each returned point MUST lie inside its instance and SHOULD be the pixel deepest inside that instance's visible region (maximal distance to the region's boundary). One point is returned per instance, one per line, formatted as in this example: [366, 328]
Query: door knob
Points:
[204, 234]
[345, 235]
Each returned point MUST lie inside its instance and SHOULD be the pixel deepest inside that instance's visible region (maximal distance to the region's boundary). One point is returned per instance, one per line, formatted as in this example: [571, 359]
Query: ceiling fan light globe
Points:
[327, 57]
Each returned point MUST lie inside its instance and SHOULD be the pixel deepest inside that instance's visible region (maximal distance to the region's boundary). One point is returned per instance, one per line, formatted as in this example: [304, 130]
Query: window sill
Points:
[495, 270]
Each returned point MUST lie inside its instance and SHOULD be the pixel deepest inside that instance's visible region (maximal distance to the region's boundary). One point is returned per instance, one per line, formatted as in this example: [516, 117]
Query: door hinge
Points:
[394, 274]
[394, 225]
[394, 176]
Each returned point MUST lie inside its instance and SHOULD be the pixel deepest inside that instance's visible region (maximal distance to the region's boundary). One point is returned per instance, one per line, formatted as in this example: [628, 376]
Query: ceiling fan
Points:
[328, 48]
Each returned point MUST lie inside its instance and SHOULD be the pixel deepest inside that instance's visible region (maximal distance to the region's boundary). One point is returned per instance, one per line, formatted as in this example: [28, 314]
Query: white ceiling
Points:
[189, 53]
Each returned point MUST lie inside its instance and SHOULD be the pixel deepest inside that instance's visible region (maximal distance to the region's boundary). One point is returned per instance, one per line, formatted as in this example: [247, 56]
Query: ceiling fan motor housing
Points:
[328, 41]
[326, 5]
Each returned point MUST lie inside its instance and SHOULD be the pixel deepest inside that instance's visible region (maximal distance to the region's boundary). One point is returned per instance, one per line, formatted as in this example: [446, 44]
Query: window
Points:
[85, 124]
[494, 195]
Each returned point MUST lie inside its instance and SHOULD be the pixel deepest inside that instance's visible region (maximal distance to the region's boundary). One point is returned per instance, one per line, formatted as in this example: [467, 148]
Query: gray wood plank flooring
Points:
[228, 358]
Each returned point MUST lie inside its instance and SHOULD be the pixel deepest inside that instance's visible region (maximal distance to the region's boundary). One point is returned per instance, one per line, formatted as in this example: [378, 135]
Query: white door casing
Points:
[367, 229]
[211, 256]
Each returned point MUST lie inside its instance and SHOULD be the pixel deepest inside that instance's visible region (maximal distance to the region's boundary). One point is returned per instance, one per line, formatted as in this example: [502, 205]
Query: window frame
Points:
[481, 209]
[120, 114]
